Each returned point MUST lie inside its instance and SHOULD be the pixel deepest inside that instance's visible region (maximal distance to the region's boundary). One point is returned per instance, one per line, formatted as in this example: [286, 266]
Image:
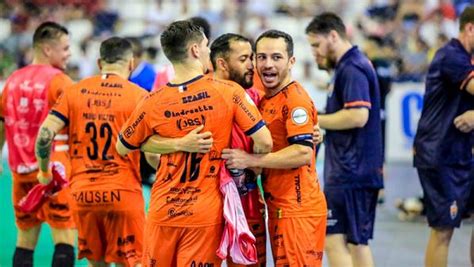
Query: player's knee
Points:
[63, 255]
[23, 257]
[443, 235]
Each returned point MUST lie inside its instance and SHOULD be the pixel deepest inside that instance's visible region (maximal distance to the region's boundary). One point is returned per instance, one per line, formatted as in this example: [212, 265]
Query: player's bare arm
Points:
[470, 86]
[153, 159]
[317, 135]
[345, 119]
[293, 156]
[262, 141]
[193, 142]
[50, 127]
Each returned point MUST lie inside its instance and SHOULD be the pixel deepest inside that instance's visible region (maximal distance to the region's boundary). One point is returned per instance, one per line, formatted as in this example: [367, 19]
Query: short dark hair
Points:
[115, 49]
[204, 24]
[275, 34]
[221, 46]
[176, 38]
[467, 16]
[48, 31]
[137, 46]
[325, 23]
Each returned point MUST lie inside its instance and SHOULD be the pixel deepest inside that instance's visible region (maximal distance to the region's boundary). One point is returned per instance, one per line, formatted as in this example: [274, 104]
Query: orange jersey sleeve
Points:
[300, 115]
[247, 116]
[57, 85]
[137, 128]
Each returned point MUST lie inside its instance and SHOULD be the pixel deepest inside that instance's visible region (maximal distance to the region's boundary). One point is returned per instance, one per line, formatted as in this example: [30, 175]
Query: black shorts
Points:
[351, 212]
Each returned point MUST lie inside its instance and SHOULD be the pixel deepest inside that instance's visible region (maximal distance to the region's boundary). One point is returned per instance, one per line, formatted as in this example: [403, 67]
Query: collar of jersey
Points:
[185, 83]
[286, 86]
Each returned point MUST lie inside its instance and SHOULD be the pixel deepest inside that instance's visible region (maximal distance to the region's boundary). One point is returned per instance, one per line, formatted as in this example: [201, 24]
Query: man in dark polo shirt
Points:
[353, 160]
[442, 146]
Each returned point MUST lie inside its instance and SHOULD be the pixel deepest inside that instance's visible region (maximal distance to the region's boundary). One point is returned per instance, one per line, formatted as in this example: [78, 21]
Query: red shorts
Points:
[297, 241]
[56, 211]
[181, 246]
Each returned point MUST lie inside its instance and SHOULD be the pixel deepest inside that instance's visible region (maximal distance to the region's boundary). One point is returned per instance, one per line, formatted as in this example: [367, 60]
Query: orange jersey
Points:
[186, 190]
[95, 109]
[290, 116]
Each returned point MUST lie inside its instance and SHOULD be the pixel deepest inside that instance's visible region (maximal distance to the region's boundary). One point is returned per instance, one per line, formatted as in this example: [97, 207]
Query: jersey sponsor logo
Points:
[125, 240]
[23, 105]
[26, 168]
[238, 100]
[317, 254]
[21, 140]
[97, 197]
[201, 264]
[100, 103]
[183, 124]
[127, 254]
[86, 91]
[39, 104]
[25, 86]
[173, 213]
[177, 201]
[22, 124]
[298, 189]
[131, 129]
[184, 112]
[185, 190]
[111, 85]
[453, 210]
[299, 116]
[196, 97]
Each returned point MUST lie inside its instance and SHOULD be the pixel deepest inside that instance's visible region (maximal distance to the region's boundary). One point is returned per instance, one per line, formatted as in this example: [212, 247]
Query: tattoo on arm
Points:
[44, 143]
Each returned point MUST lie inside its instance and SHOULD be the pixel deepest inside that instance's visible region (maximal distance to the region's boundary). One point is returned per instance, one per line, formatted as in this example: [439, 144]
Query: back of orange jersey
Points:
[95, 109]
[186, 190]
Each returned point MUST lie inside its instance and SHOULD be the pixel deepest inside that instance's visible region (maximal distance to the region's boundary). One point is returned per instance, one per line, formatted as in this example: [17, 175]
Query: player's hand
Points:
[236, 158]
[465, 121]
[317, 135]
[197, 142]
[44, 177]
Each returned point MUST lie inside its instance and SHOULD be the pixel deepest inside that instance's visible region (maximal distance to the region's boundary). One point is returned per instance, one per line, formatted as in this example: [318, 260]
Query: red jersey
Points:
[27, 97]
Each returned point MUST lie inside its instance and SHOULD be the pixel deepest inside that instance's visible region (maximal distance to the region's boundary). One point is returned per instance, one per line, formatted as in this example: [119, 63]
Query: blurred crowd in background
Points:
[400, 36]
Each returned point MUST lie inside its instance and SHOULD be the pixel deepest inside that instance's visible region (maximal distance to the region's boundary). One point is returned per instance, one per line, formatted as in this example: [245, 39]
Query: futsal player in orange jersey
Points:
[296, 205]
[185, 219]
[108, 205]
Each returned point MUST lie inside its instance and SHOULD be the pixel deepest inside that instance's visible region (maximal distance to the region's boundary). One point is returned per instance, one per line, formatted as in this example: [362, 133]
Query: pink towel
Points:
[40, 192]
[237, 240]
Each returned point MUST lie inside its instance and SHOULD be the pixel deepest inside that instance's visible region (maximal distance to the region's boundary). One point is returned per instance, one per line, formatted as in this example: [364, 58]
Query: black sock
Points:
[23, 257]
[63, 255]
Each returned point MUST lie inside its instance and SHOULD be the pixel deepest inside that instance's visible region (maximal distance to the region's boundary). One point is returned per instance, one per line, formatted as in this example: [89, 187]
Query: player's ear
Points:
[194, 48]
[99, 64]
[222, 64]
[131, 64]
[291, 62]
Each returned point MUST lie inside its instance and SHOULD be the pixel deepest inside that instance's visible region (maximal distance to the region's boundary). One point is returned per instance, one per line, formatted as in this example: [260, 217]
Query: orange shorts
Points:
[257, 227]
[110, 234]
[56, 211]
[297, 241]
[181, 246]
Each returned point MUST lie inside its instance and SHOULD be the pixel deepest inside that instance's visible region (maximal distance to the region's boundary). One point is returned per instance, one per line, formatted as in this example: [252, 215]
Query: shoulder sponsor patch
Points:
[299, 116]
